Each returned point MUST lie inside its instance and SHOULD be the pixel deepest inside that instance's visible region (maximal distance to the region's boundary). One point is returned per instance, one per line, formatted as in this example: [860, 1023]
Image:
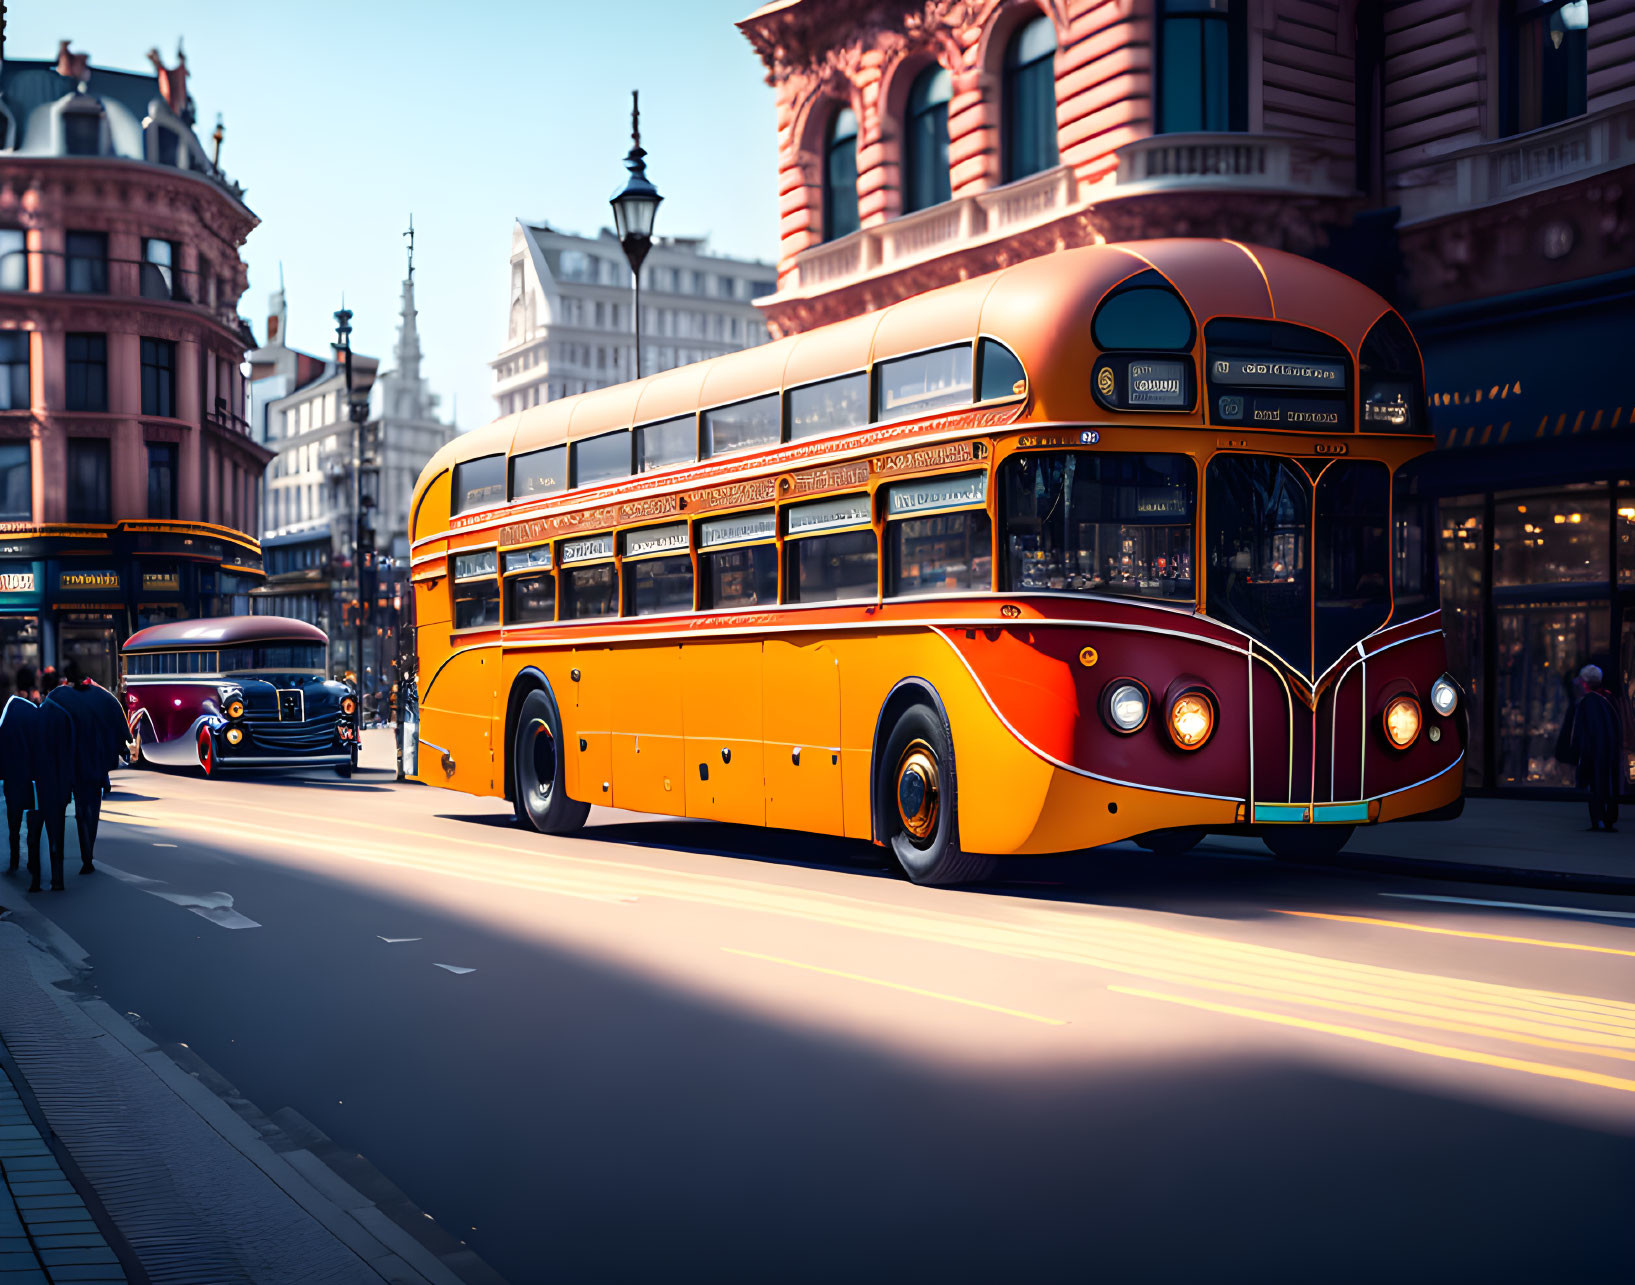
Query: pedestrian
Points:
[50, 741]
[18, 715]
[1597, 739]
[28, 686]
[99, 736]
[49, 679]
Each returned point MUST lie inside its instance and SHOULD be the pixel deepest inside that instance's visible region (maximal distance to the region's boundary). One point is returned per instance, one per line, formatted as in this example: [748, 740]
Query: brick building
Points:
[1473, 160]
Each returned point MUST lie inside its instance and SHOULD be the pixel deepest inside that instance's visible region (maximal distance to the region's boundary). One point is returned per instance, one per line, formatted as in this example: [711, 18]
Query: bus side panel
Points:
[458, 715]
[721, 723]
[646, 722]
[802, 686]
[590, 744]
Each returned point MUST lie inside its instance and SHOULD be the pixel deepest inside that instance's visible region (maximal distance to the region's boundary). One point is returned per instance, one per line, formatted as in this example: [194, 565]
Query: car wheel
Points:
[207, 752]
[1170, 843]
[1307, 842]
[537, 790]
[917, 802]
[343, 770]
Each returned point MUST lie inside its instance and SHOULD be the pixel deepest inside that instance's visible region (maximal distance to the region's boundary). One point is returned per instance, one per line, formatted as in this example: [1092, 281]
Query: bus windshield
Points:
[1269, 555]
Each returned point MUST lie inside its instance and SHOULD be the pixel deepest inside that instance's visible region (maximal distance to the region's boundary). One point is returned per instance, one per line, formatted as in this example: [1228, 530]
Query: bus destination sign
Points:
[1280, 372]
[1157, 384]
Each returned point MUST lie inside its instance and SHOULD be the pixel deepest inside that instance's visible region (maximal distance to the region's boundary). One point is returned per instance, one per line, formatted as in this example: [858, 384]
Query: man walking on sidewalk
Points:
[1598, 739]
[50, 741]
[99, 734]
[18, 716]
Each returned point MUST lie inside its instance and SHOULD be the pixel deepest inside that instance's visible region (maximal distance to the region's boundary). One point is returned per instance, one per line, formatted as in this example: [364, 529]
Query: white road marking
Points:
[164, 845]
[125, 876]
[1513, 905]
[393, 941]
[217, 907]
[455, 968]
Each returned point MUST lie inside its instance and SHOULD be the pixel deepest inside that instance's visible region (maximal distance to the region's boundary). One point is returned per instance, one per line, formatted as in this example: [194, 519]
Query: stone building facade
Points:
[128, 473]
[1473, 160]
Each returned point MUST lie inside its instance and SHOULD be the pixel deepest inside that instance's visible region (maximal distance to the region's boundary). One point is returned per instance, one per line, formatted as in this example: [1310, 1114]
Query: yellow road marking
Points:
[897, 986]
[1395, 1041]
[1455, 932]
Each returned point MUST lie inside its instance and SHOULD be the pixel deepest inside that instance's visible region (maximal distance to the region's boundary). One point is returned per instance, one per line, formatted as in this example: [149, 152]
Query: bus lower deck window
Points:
[659, 586]
[1099, 522]
[743, 577]
[589, 591]
[530, 599]
[476, 603]
[827, 568]
[941, 553]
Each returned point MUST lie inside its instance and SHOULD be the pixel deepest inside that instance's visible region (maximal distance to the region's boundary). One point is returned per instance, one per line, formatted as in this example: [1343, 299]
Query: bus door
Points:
[645, 684]
[721, 693]
[802, 704]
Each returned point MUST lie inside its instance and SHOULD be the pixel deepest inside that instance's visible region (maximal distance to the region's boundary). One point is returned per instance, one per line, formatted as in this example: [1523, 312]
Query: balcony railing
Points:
[1510, 167]
[1246, 162]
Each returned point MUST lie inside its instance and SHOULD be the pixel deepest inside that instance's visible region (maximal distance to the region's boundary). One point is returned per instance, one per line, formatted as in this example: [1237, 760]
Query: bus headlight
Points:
[235, 707]
[1444, 696]
[1402, 721]
[234, 735]
[348, 706]
[1124, 705]
[1191, 719]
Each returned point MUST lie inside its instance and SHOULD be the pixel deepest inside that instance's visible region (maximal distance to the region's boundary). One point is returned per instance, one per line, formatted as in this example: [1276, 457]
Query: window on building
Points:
[158, 269]
[1202, 66]
[16, 482]
[925, 140]
[87, 257]
[1029, 101]
[1545, 56]
[14, 347]
[88, 490]
[166, 145]
[82, 132]
[13, 259]
[840, 176]
[158, 377]
[161, 480]
[86, 372]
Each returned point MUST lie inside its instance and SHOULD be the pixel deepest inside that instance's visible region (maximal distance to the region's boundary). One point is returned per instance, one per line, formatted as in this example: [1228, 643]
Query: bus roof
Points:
[223, 631]
[1040, 308]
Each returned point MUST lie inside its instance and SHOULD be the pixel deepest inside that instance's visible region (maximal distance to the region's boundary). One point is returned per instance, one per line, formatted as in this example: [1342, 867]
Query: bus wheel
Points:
[207, 754]
[1171, 843]
[917, 798]
[1307, 842]
[536, 770]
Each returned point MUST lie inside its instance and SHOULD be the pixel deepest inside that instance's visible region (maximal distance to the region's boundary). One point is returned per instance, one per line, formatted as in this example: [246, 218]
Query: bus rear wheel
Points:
[917, 799]
[1307, 842]
[537, 791]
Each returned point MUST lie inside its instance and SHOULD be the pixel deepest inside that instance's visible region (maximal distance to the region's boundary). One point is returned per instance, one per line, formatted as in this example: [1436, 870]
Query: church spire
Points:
[410, 394]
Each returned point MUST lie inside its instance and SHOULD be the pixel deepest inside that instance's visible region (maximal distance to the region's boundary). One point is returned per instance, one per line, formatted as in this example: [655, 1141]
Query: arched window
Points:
[1544, 53]
[1030, 101]
[925, 140]
[840, 176]
[1202, 66]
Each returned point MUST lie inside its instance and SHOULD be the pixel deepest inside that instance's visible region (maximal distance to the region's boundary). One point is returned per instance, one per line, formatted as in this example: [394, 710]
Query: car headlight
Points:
[1402, 721]
[1191, 719]
[348, 705]
[1125, 706]
[234, 735]
[235, 707]
[1444, 696]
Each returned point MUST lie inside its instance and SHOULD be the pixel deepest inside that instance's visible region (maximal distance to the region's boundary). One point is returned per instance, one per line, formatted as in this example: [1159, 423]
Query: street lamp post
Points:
[635, 206]
[357, 409]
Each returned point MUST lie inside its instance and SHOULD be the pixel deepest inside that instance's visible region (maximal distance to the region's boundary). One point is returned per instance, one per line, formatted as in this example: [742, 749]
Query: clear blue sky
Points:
[344, 116]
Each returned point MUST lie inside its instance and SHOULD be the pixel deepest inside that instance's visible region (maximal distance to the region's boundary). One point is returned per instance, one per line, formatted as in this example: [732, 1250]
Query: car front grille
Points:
[289, 737]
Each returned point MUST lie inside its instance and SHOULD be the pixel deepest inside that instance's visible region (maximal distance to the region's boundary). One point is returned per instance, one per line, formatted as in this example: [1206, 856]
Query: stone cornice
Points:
[828, 38]
[217, 209]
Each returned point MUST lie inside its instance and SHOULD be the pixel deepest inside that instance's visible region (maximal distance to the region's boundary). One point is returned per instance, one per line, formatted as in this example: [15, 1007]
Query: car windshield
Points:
[281, 656]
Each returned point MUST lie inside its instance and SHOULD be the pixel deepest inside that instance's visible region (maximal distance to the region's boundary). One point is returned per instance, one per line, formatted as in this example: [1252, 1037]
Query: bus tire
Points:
[917, 802]
[1307, 842]
[537, 792]
[1171, 843]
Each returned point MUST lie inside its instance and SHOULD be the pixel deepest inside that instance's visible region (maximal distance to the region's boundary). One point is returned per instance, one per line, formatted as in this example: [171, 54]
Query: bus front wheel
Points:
[918, 799]
[536, 770]
[1307, 842]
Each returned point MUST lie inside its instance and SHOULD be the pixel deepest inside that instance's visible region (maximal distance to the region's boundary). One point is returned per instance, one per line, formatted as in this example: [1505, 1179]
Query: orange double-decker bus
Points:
[1122, 542]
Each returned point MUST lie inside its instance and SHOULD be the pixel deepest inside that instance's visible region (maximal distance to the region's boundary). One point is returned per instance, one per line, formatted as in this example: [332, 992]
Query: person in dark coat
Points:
[50, 740]
[1598, 742]
[99, 736]
[17, 716]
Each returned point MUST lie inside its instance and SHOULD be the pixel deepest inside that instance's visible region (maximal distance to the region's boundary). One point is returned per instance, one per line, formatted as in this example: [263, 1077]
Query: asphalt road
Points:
[682, 1051]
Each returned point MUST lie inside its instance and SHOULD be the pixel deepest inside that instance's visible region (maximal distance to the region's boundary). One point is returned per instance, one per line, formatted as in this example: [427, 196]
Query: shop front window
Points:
[1540, 650]
[1556, 537]
[1462, 537]
[1624, 522]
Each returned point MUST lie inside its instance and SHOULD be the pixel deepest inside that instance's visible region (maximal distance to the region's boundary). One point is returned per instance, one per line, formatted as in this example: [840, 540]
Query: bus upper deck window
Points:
[601, 458]
[999, 372]
[478, 483]
[830, 551]
[738, 561]
[923, 382]
[1390, 379]
[666, 443]
[1144, 313]
[938, 535]
[829, 405]
[542, 472]
[742, 425]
